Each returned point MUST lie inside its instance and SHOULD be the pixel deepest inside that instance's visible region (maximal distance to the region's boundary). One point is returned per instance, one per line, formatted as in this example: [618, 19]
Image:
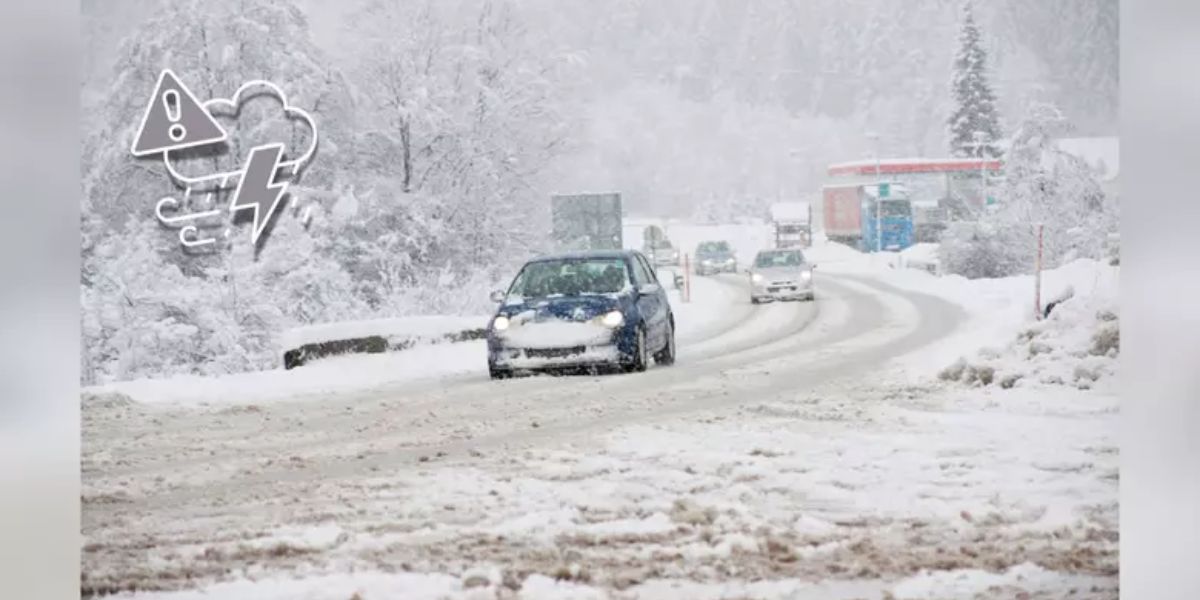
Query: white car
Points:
[662, 254]
[781, 274]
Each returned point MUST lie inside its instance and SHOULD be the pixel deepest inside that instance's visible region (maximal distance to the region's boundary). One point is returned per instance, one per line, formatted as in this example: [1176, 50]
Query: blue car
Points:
[585, 310]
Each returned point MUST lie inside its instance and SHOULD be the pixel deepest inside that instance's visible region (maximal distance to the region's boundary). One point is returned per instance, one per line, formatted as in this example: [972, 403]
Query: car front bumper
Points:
[783, 290]
[538, 359]
[611, 349]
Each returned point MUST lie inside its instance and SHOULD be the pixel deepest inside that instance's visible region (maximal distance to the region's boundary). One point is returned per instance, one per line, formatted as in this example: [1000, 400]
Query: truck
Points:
[586, 221]
[792, 222]
[850, 215]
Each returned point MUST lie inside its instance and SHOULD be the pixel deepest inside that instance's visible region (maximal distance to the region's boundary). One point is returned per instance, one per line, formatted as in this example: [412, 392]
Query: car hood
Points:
[780, 272]
[584, 307]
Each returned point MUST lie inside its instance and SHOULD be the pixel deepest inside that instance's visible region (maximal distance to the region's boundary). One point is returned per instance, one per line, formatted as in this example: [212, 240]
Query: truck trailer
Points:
[850, 216]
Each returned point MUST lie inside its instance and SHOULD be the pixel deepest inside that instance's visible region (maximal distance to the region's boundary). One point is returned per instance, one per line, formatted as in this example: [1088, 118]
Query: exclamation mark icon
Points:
[174, 119]
[176, 131]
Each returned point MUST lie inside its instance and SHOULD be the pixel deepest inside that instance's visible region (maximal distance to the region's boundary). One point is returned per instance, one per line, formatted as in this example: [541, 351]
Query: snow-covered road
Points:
[747, 459]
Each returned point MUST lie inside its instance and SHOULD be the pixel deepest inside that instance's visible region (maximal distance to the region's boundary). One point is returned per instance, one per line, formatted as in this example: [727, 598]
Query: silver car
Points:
[662, 253]
[781, 274]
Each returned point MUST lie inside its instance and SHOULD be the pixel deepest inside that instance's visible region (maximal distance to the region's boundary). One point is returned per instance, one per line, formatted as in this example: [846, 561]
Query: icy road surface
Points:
[780, 457]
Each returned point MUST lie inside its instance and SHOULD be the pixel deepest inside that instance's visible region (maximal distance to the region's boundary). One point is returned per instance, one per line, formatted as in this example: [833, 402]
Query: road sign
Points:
[174, 119]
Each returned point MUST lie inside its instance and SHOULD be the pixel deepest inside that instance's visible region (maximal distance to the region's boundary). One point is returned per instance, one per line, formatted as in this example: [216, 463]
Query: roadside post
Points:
[1037, 277]
[687, 278]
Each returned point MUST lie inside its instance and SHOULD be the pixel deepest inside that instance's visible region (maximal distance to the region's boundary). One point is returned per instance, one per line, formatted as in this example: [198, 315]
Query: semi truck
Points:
[792, 222]
[586, 221]
[850, 216]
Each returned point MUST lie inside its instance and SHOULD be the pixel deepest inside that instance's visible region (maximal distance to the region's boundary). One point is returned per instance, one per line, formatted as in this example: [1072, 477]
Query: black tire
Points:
[666, 356]
[754, 300]
[637, 362]
[499, 373]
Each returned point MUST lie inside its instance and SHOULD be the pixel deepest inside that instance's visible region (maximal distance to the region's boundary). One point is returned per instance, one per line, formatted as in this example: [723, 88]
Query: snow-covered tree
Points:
[1059, 190]
[974, 102]
[1043, 185]
[139, 312]
[214, 47]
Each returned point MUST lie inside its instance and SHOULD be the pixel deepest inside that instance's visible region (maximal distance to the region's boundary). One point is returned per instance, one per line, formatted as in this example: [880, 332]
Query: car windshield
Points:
[896, 208]
[570, 277]
[890, 208]
[713, 248]
[790, 258]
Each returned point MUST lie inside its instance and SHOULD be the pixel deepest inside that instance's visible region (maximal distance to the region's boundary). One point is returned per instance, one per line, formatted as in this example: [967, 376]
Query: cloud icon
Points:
[242, 138]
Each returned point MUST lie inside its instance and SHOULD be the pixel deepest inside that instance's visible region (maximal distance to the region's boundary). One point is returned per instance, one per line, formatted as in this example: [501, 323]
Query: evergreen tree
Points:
[975, 103]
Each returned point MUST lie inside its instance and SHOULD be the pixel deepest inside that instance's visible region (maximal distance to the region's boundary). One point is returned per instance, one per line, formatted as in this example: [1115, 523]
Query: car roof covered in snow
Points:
[584, 254]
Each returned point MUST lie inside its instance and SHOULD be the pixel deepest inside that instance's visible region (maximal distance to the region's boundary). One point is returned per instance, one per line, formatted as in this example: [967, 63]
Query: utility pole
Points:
[980, 140]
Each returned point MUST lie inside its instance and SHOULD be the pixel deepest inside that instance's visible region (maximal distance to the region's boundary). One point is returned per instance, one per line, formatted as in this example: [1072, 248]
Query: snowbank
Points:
[338, 374]
[1001, 316]
[1077, 344]
[921, 256]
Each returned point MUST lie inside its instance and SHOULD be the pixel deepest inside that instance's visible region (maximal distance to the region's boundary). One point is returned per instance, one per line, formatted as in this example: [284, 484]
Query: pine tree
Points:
[975, 103]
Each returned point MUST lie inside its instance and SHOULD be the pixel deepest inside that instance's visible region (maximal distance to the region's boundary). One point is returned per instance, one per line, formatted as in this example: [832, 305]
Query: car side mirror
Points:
[814, 266]
[648, 289]
[497, 296]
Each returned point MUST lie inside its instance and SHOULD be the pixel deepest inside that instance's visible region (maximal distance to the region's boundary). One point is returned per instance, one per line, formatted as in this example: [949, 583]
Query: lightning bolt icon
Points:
[257, 188]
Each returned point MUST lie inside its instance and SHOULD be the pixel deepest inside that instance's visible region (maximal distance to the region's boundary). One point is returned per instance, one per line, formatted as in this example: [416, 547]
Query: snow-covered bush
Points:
[976, 250]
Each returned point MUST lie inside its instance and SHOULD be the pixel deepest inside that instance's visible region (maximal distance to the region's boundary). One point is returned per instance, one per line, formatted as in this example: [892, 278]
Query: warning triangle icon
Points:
[174, 119]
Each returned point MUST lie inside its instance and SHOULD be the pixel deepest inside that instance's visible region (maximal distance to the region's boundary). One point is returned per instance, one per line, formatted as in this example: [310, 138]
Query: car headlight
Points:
[806, 275]
[613, 319]
[501, 323]
[756, 278]
[706, 262]
[729, 261]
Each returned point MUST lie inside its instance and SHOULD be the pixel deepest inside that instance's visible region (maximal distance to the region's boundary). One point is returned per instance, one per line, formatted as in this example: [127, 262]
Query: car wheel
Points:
[640, 358]
[754, 300]
[666, 356]
[499, 373]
